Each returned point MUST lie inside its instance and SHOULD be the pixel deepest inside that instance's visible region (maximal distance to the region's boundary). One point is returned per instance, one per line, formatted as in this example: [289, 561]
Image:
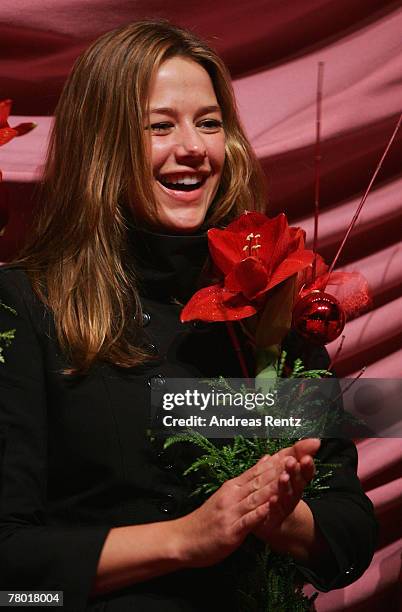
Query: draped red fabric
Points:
[272, 48]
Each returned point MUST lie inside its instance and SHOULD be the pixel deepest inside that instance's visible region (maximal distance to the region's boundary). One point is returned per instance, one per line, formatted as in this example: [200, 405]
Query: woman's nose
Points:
[190, 144]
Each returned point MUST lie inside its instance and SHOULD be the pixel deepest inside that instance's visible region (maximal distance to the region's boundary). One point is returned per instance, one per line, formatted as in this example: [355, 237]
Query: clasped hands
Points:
[259, 501]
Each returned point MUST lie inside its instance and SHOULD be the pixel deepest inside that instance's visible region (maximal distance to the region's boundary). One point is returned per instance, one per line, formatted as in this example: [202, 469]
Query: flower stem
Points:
[237, 348]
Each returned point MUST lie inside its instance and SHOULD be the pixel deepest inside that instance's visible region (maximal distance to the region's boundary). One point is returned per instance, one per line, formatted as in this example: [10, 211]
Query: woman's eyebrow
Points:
[164, 110]
[167, 110]
[214, 108]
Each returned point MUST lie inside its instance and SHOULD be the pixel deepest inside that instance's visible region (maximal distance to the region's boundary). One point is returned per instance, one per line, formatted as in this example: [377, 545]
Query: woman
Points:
[147, 152]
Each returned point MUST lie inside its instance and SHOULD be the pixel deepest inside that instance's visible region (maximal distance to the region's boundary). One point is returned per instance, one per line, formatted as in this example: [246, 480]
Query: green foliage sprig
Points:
[266, 581]
[6, 337]
[219, 464]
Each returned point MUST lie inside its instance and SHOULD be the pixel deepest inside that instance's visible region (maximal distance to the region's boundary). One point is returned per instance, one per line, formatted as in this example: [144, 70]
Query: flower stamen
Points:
[250, 247]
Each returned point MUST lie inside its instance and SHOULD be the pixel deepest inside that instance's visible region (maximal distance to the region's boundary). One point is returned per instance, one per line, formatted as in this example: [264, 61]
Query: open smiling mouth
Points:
[186, 183]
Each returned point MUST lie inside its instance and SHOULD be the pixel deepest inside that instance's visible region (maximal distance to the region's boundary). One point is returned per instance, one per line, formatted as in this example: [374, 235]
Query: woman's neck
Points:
[168, 267]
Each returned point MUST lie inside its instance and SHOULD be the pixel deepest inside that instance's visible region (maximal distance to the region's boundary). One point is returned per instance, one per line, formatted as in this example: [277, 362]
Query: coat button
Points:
[167, 506]
[146, 319]
[164, 462]
[156, 382]
[152, 349]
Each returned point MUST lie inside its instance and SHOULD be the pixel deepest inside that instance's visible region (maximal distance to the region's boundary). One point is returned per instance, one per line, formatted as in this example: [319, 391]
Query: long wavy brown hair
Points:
[97, 169]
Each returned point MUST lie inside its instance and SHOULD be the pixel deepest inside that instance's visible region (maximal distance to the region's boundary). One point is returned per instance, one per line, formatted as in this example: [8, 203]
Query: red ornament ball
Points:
[318, 317]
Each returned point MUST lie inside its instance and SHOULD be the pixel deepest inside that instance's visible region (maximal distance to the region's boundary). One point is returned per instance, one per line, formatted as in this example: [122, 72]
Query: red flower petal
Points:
[7, 134]
[249, 222]
[248, 277]
[215, 304]
[298, 237]
[293, 263]
[226, 248]
[5, 107]
[274, 241]
[24, 128]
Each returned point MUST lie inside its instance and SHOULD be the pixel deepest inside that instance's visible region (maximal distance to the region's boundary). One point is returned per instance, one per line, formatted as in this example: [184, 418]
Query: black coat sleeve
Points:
[34, 553]
[343, 513]
[345, 517]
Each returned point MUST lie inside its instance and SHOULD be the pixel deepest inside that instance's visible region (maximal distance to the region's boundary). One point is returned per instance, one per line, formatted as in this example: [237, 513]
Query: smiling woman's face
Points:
[187, 144]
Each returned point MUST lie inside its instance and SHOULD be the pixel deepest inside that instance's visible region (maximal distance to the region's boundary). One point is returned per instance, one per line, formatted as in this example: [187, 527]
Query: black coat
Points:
[76, 461]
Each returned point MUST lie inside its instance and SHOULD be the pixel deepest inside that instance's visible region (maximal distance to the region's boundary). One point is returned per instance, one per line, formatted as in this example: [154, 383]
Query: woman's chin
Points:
[186, 224]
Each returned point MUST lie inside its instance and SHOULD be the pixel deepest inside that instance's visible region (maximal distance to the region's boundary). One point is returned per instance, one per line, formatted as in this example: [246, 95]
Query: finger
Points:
[307, 468]
[282, 497]
[290, 463]
[300, 472]
[265, 472]
[257, 498]
[276, 514]
[252, 472]
[248, 521]
[285, 453]
[270, 472]
[285, 489]
[285, 501]
[309, 446]
[297, 480]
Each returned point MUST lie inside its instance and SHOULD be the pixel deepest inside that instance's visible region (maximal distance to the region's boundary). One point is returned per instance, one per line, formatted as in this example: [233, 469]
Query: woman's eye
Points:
[207, 125]
[210, 125]
[162, 126]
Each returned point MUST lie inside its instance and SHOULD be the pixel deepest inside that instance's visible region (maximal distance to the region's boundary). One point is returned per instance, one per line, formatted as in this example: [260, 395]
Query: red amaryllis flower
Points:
[7, 133]
[253, 254]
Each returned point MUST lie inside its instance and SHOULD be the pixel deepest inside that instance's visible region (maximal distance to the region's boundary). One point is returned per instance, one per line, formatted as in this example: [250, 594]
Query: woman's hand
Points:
[289, 526]
[214, 530]
[242, 504]
[297, 471]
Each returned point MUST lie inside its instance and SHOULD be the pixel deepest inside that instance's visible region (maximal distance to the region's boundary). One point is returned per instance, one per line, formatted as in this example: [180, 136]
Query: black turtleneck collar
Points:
[168, 267]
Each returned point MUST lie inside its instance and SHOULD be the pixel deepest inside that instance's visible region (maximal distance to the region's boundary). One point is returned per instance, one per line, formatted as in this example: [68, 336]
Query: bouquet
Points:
[261, 266]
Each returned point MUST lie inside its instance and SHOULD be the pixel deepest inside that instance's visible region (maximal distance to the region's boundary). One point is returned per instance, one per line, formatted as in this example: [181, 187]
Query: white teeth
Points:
[188, 180]
[182, 180]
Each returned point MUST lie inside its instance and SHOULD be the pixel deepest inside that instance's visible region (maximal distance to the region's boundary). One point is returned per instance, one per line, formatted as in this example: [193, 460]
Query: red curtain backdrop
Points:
[272, 48]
